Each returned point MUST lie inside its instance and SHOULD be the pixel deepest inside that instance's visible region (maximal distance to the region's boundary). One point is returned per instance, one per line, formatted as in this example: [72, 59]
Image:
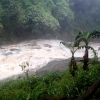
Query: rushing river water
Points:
[37, 52]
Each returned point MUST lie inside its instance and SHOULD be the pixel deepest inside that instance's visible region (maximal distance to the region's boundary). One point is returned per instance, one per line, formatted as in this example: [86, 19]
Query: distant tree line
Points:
[48, 16]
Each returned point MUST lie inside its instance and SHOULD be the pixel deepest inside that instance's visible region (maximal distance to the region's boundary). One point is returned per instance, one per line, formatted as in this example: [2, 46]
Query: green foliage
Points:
[17, 16]
[52, 85]
[72, 64]
[24, 65]
[48, 16]
[12, 16]
[41, 18]
[62, 10]
[86, 16]
[94, 60]
[86, 39]
[35, 16]
[1, 26]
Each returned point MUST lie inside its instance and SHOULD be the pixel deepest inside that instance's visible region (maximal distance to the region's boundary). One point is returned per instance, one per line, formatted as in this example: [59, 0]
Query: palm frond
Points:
[80, 34]
[66, 44]
[82, 47]
[88, 47]
[88, 36]
[77, 42]
[94, 34]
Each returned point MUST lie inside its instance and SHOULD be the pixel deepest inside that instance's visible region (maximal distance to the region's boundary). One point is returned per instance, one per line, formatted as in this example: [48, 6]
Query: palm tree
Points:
[79, 38]
[72, 64]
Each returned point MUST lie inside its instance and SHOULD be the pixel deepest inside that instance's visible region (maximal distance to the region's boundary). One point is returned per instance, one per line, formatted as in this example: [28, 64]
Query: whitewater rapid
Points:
[37, 53]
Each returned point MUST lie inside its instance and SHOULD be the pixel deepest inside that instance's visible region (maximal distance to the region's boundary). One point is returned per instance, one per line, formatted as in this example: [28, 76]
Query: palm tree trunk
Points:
[73, 65]
[85, 60]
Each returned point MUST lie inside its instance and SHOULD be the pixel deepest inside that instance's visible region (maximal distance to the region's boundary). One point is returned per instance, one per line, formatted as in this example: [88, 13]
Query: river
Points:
[37, 53]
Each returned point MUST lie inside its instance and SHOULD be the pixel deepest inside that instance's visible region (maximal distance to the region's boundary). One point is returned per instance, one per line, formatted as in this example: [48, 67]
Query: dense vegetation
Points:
[20, 17]
[53, 86]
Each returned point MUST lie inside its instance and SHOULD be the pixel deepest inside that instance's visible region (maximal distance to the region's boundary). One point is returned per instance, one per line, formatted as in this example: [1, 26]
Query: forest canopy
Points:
[48, 16]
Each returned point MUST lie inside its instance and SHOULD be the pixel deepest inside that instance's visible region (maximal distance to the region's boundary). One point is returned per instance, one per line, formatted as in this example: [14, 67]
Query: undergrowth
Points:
[52, 86]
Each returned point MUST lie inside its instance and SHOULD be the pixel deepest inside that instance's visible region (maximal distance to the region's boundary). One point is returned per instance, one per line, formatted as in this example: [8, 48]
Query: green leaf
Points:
[66, 44]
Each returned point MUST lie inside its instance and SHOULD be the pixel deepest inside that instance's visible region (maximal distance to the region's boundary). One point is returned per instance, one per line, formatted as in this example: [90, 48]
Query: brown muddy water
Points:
[37, 53]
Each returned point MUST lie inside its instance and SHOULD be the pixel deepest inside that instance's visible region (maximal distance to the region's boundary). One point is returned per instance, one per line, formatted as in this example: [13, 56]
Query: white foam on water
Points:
[37, 52]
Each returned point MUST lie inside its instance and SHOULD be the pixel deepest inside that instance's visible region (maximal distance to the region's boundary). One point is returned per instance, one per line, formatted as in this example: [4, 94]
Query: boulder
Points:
[55, 66]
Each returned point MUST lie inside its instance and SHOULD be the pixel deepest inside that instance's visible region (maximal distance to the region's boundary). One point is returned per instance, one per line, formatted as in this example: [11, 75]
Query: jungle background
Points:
[47, 18]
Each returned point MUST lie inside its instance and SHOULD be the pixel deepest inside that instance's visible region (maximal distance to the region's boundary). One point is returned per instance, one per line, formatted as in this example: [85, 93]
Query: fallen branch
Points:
[91, 91]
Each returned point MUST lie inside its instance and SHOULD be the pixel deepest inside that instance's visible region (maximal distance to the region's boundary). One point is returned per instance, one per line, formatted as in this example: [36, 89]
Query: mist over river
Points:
[37, 52]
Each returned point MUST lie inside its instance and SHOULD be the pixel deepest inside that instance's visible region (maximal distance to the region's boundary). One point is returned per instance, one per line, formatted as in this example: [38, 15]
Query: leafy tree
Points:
[12, 16]
[53, 16]
[40, 19]
[35, 16]
[50, 4]
[86, 11]
[79, 38]
[63, 13]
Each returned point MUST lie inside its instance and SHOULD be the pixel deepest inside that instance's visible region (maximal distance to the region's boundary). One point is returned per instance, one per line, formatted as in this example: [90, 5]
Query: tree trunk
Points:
[89, 93]
[86, 60]
[72, 66]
